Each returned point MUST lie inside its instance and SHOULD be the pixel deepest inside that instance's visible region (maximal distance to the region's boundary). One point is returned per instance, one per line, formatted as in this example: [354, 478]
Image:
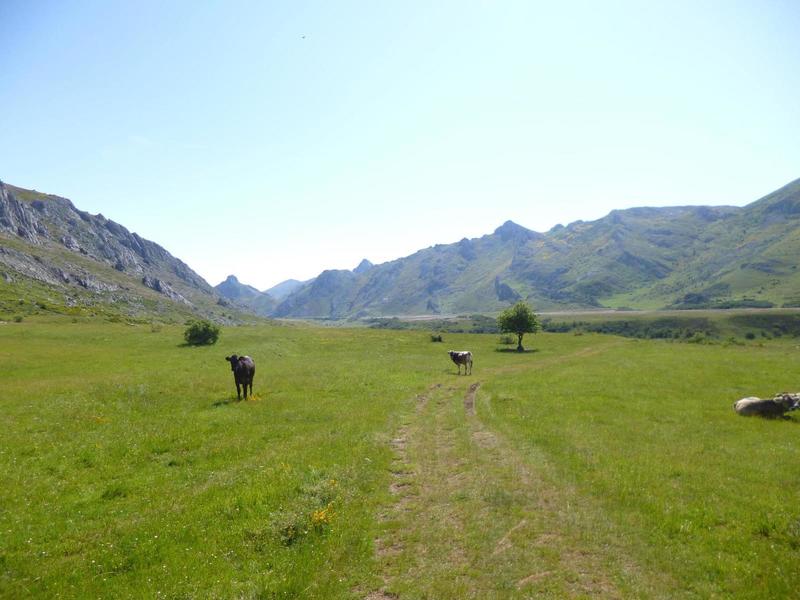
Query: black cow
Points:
[244, 369]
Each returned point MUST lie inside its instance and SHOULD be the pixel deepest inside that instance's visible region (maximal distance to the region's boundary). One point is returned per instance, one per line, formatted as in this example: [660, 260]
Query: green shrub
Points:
[698, 338]
[201, 333]
[17, 318]
[436, 337]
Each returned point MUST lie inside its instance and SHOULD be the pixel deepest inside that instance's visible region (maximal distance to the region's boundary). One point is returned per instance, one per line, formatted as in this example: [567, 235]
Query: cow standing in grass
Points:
[462, 358]
[244, 369]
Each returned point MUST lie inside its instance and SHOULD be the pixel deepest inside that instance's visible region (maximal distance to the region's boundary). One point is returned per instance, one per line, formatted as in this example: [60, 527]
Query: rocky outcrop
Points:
[20, 219]
[48, 221]
[164, 288]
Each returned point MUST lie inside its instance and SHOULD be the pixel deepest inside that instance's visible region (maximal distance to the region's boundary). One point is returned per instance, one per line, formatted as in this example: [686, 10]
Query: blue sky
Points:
[273, 140]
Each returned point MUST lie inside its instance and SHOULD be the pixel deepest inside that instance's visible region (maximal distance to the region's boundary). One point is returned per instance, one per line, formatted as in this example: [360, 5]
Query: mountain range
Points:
[642, 258]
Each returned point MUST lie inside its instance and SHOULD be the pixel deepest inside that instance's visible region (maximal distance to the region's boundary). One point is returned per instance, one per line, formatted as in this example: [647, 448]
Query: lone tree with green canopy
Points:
[519, 319]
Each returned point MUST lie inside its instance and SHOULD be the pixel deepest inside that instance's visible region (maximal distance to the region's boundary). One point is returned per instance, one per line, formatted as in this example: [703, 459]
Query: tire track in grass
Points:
[469, 398]
[472, 517]
[401, 489]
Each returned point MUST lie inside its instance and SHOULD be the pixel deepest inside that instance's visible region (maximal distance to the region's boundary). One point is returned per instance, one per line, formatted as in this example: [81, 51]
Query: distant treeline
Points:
[462, 324]
[661, 328]
[702, 301]
[691, 328]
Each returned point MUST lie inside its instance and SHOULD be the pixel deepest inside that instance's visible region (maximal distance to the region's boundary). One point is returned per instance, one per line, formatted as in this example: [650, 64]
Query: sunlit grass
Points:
[129, 469]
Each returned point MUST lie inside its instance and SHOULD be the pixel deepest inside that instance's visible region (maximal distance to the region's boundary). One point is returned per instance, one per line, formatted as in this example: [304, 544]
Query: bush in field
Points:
[201, 333]
[436, 337]
[518, 319]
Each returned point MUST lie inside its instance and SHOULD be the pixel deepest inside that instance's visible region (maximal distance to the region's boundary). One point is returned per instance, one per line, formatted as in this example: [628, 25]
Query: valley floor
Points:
[365, 468]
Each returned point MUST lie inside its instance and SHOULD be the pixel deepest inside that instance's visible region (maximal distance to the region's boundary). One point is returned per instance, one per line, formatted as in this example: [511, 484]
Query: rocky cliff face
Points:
[47, 239]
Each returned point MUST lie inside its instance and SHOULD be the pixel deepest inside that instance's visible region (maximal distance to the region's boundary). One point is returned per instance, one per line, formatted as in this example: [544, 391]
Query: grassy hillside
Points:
[53, 254]
[593, 465]
[750, 257]
[645, 258]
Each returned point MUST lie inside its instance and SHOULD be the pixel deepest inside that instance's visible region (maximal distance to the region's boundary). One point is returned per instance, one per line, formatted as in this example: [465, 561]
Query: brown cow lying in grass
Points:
[773, 407]
[244, 369]
[462, 358]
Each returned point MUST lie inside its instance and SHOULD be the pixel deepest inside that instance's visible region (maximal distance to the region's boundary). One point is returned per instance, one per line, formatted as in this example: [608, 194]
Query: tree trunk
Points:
[519, 343]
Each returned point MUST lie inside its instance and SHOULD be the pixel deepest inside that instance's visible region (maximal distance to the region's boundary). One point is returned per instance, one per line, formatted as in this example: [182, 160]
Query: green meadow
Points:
[364, 467]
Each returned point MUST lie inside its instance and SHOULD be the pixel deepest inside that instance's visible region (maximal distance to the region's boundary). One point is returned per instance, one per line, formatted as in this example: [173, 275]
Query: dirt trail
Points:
[471, 517]
[469, 398]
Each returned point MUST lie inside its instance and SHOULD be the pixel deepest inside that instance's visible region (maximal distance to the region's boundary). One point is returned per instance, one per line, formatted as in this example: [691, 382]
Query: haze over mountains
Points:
[674, 257]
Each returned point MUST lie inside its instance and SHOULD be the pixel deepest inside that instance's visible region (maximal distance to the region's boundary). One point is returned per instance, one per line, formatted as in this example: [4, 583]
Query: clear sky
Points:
[273, 140]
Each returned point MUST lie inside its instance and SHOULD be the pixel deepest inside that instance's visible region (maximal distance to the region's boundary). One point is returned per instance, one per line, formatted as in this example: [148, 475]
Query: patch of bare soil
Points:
[381, 596]
[469, 398]
[484, 439]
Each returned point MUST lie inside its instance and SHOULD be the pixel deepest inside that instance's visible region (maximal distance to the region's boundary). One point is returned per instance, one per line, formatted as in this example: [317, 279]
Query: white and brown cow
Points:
[462, 358]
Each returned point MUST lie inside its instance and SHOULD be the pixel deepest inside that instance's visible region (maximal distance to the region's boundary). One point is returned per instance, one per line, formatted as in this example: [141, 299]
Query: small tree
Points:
[201, 333]
[519, 319]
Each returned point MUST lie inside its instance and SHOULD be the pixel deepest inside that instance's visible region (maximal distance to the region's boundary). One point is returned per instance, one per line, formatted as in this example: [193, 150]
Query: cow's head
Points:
[234, 360]
[788, 402]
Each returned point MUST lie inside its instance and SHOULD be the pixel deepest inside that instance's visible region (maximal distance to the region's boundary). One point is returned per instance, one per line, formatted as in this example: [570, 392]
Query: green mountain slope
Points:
[751, 257]
[55, 257]
[52, 254]
[689, 256]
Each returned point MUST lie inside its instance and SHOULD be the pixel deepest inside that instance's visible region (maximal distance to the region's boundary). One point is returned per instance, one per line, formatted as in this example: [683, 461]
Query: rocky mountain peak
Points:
[363, 267]
[510, 230]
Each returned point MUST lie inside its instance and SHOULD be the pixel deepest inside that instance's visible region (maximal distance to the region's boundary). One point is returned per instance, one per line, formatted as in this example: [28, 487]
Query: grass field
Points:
[366, 468]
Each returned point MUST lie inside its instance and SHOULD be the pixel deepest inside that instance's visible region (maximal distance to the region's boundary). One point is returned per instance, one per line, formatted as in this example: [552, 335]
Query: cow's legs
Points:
[238, 391]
